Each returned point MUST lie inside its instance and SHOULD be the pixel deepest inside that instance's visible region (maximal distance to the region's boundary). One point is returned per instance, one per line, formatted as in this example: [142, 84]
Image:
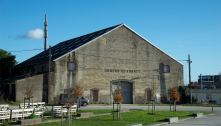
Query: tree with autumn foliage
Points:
[78, 92]
[174, 96]
[118, 96]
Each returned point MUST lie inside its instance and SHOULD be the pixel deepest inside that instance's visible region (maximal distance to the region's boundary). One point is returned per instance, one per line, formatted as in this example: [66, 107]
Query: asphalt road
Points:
[204, 121]
[179, 107]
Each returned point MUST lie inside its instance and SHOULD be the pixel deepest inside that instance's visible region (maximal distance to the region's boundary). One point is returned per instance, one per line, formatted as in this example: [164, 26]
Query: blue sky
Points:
[178, 27]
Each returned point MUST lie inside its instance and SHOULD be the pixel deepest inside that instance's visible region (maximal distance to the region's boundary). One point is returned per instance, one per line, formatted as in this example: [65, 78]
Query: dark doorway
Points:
[126, 89]
[6, 92]
[127, 92]
[13, 95]
[148, 95]
[95, 95]
[45, 88]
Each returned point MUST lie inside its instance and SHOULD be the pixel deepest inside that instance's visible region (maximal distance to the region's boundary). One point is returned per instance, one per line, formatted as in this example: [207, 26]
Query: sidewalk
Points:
[131, 105]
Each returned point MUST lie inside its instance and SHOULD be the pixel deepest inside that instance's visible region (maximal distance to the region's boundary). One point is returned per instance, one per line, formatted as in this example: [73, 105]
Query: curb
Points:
[158, 124]
[183, 119]
[211, 114]
[129, 105]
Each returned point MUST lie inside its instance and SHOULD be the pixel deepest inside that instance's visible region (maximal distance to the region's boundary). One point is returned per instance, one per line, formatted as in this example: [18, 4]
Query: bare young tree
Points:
[28, 90]
[153, 93]
[68, 103]
[1, 97]
[75, 92]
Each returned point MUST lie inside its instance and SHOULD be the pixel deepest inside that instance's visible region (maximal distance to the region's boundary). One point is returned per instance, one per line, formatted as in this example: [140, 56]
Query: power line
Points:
[25, 50]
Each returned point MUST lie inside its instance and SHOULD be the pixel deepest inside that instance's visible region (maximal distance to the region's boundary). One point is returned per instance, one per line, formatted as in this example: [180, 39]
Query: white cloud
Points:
[33, 34]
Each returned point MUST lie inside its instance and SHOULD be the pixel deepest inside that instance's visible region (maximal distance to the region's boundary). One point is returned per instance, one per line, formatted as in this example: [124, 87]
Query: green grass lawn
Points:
[128, 118]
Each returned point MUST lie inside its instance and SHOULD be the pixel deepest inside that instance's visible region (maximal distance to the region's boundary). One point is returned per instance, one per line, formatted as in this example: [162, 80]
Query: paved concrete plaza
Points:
[204, 121]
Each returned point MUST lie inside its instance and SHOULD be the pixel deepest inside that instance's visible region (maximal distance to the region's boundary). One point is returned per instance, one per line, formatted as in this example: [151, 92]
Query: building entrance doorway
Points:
[126, 89]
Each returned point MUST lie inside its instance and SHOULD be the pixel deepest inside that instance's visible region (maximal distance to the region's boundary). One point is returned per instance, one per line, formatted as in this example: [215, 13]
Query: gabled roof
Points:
[12, 79]
[152, 44]
[65, 47]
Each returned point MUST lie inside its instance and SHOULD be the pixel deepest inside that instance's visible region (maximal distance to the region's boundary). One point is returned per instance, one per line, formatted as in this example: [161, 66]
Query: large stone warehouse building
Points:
[98, 62]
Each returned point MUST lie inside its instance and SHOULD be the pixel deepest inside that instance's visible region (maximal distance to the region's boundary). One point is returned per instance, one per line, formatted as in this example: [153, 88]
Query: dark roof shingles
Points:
[64, 47]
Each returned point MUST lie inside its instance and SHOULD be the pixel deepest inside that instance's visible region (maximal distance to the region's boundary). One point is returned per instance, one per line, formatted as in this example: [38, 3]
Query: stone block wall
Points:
[118, 55]
[37, 82]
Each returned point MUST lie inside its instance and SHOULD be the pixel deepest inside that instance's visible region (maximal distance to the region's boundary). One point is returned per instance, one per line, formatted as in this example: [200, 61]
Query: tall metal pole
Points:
[46, 32]
[49, 70]
[190, 79]
[49, 59]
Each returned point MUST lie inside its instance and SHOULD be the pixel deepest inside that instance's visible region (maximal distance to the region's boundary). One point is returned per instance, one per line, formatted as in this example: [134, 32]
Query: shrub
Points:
[32, 116]
[5, 124]
[47, 113]
[14, 103]
[183, 93]
[194, 99]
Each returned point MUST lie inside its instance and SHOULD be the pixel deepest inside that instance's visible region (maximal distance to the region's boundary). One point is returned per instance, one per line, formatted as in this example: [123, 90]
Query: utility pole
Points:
[49, 70]
[49, 59]
[190, 90]
[190, 79]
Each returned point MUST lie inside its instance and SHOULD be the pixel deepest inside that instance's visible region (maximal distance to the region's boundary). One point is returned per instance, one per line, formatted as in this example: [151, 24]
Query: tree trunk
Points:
[120, 110]
[61, 115]
[175, 105]
[154, 105]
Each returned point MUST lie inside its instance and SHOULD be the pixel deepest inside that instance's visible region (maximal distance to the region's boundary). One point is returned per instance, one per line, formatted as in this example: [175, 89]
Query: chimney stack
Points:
[46, 32]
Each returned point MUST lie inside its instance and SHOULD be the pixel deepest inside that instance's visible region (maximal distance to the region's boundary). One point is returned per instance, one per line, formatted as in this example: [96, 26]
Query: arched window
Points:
[166, 68]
